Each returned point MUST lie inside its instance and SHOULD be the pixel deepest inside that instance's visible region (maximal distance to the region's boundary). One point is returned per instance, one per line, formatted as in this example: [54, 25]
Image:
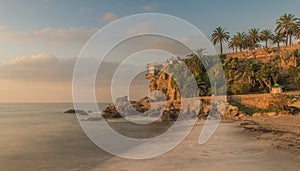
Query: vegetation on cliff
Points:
[245, 72]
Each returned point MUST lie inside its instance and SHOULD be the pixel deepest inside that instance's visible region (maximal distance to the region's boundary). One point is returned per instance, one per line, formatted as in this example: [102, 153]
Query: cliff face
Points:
[163, 88]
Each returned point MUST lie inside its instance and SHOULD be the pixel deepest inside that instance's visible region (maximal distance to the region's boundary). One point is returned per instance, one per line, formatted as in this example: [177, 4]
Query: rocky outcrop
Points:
[172, 109]
[125, 107]
[170, 115]
[232, 112]
[111, 112]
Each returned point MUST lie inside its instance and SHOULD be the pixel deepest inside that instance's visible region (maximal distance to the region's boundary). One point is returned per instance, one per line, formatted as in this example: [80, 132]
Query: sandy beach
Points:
[231, 148]
[58, 143]
[281, 133]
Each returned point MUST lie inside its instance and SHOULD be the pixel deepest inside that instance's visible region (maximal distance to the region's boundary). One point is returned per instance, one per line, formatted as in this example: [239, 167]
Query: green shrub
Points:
[296, 53]
[250, 110]
[240, 88]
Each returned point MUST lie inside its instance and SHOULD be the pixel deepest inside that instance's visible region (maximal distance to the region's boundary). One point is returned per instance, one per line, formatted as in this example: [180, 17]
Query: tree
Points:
[285, 25]
[278, 38]
[265, 35]
[194, 62]
[296, 29]
[232, 45]
[195, 59]
[253, 38]
[240, 38]
[219, 36]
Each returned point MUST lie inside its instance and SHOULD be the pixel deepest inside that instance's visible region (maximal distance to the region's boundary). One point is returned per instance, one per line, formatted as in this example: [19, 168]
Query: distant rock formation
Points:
[81, 112]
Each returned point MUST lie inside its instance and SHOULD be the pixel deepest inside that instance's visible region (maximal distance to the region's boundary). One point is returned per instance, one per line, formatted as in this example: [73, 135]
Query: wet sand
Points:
[281, 133]
[60, 144]
[231, 148]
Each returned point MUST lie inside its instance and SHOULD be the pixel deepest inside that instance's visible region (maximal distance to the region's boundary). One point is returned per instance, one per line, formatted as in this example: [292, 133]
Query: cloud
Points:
[62, 35]
[108, 17]
[40, 68]
[48, 68]
[43, 71]
[6, 34]
[51, 35]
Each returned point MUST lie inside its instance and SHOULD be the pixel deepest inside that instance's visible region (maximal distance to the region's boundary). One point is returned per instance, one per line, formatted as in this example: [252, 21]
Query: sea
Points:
[40, 136]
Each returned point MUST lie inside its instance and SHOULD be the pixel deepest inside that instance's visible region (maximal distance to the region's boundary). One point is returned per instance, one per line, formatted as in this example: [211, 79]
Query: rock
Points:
[269, 114]
[231, 112]
[256, 115]
[170, 115]
[70, 111]
[125, 107]
[81, 112]
[292, 110]
[111, 112]
[241, 115]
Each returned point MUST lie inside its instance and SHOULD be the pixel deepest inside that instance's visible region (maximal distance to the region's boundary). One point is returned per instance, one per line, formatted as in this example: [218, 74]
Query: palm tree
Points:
[253, 38]
[196, 60]
[232, 44]
[239, 39]
[278, 38]
[220, 35]
[265, 35]
[284, 25]
[296, 29]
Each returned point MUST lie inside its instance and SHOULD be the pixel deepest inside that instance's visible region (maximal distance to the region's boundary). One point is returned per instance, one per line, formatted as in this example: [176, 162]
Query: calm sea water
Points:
[10, 110]
[39, 136]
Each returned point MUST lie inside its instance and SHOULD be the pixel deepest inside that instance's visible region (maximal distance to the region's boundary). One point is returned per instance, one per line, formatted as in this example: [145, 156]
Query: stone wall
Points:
[258, 100]
[252, 100]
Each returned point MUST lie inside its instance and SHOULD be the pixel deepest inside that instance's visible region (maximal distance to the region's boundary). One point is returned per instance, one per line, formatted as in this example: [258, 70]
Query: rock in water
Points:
[170, 115]
[81, 112]
[111, 112]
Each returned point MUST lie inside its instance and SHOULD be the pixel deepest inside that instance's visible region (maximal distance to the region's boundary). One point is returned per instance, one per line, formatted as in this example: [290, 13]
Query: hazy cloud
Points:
[40, 67]
[62, 35]
[108, 17]
[58, 35]
[47, 70]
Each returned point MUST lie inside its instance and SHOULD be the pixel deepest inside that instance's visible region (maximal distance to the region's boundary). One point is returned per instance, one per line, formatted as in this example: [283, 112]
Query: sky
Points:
[40, 40]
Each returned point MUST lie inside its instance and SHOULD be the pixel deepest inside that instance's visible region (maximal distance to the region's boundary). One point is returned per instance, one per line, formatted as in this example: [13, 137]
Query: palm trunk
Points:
[221, 47]
[290, 39]
[287, 39]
